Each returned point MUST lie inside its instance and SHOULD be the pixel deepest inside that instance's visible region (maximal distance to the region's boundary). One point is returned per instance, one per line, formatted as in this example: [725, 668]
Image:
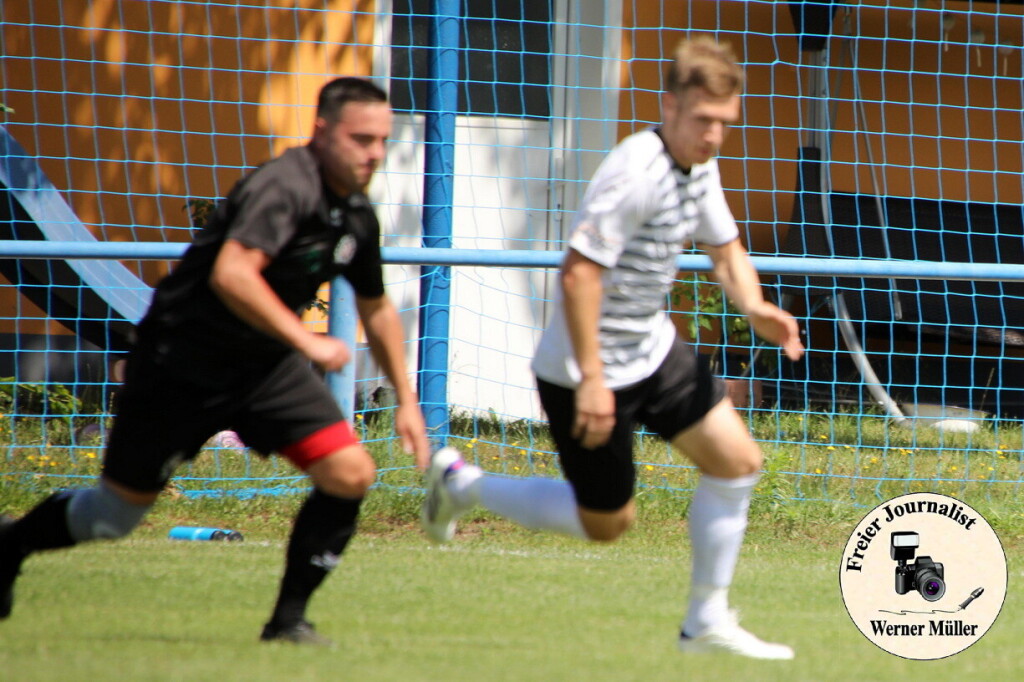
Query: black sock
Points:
[45, 527]
[322, 529]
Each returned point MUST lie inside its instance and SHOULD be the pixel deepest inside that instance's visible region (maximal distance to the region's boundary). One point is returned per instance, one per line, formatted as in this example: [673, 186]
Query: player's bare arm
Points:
[582, 288]
[384, 333]
[238, 280]
[739, 280]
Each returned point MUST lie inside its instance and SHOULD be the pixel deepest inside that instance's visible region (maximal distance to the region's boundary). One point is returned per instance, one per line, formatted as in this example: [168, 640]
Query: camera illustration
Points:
[923, 575]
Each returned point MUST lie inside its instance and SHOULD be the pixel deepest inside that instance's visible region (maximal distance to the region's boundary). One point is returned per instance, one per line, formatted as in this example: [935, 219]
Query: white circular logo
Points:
[345, 250]
[923, 576]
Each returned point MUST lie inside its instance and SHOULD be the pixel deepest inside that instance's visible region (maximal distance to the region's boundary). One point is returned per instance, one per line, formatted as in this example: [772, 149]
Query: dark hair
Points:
[701, 62]
[340, 91]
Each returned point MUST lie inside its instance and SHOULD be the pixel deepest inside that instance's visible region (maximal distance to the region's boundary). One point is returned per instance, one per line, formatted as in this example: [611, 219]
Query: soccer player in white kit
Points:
[610, 357]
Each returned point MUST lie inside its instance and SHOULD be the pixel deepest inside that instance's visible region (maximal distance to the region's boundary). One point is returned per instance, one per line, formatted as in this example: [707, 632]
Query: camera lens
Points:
[930, 585]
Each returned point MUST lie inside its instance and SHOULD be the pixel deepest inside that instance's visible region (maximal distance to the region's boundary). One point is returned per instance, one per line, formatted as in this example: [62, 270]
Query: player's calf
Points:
[101, 514]
[61, 520]
[323, 528]
[10, 566]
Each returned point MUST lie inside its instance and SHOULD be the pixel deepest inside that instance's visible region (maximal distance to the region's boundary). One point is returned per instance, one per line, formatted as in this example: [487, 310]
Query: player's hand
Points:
[595, 414]
[413, 433]
[774, 324]
[326, 352]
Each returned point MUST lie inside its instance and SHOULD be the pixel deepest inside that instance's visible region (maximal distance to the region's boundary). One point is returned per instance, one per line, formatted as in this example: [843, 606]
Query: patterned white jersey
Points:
[639, 210]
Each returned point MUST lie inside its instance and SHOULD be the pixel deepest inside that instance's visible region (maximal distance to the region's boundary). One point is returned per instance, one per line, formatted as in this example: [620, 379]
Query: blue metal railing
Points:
[524, 258]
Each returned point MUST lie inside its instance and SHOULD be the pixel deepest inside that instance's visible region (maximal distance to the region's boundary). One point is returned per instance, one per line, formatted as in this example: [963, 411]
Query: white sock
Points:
[537, 503]
[718, 521]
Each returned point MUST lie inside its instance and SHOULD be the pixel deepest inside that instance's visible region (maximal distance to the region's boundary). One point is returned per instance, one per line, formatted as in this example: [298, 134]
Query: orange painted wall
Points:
[919, 151]
[133, 107]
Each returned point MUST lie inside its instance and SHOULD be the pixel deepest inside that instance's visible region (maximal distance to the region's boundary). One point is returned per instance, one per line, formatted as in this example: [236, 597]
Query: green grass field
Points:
[498, 603]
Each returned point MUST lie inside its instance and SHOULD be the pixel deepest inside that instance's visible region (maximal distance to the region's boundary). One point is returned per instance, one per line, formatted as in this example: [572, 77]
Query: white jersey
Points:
[638, 212]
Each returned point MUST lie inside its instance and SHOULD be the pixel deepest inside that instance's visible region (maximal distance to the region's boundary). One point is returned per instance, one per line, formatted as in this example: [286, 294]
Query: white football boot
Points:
[441, 511]
[729, 637]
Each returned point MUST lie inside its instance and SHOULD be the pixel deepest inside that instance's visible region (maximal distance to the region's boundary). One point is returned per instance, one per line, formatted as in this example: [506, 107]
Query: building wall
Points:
[961, 141]
[133, 108]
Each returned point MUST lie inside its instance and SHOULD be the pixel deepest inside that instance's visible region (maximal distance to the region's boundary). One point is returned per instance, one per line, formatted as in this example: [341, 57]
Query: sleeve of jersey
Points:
[266, 216]
[717, 225]
[365, 273]
[613, 210]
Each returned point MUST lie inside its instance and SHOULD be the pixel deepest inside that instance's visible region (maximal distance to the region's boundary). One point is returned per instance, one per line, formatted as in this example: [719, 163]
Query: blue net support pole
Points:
[342, 324]
[438, 183]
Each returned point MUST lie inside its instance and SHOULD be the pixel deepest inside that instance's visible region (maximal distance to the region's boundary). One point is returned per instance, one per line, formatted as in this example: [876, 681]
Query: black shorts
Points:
[164, 419]
[675, 397]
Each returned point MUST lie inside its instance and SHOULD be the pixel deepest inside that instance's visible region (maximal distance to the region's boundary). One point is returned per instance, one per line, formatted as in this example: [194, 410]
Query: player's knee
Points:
[101, 514]
[360, 479]
[608, 526]
[744, 461]
[347, 473]
[608, 532]
[750, 463]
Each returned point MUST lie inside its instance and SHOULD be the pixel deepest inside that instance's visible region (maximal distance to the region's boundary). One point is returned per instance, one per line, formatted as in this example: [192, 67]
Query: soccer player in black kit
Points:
[223, 347]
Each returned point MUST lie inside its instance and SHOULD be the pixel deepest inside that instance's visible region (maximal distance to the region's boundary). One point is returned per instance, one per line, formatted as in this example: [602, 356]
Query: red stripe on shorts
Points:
[320, 443]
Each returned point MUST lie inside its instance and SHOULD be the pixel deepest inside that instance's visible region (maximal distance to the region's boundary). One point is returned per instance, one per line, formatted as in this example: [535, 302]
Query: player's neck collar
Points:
[684, 171]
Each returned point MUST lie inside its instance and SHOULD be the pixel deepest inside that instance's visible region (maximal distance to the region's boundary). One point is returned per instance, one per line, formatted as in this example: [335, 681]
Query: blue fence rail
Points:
[524, 258]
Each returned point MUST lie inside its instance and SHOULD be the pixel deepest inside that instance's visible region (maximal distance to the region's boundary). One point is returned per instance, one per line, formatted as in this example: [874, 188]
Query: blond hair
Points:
[702, 62]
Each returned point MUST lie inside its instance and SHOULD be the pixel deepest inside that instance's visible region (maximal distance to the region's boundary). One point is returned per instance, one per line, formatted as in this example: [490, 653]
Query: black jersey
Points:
[285, 209]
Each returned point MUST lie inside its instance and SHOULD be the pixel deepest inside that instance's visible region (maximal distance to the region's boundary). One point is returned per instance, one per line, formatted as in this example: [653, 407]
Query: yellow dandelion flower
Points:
[649, 467]
[830, 448]
[817, 471]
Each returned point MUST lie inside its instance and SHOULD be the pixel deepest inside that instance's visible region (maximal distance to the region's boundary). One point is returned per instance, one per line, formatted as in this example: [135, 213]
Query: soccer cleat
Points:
[10, 567]
[440, 509]
[729, 637]
[302, 632]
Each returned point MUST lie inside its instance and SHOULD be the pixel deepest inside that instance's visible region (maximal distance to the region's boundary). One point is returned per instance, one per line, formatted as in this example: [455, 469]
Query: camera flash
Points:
[905, 539]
